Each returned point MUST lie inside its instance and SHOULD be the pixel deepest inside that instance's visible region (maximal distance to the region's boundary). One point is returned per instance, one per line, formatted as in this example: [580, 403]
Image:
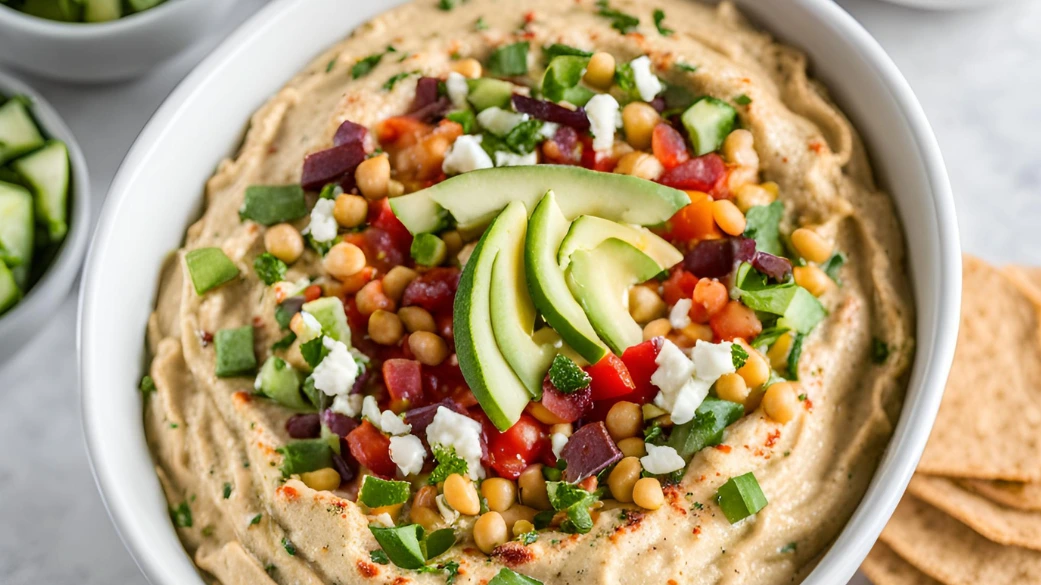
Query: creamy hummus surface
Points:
[217, 440]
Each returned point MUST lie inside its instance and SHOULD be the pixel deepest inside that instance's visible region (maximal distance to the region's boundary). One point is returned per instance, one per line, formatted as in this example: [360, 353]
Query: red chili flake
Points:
[288, 492]
[312, 292]
[513, 554]
[205, 338]
[724, 448]
[808, 405]
[242, 397]
[816, 147]
[696, 531]
[367, 569]
[257, 321]
[773, 437]
[529, 16]
[401, 581]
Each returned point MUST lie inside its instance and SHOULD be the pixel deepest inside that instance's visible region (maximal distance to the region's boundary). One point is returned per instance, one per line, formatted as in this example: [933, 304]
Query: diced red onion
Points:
[304, 426]
[330, 165]
[349, 132]
[427, 105]
[775, 267]
[339, 423]
[550, 112]
[717, 258]
[589, 451]
[293, 305]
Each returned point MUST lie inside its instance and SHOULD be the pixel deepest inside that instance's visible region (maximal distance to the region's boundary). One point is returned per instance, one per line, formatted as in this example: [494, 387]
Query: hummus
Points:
[220, 446]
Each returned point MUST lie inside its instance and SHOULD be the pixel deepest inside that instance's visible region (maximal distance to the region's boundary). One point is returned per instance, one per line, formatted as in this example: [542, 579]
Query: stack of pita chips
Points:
[972, 513]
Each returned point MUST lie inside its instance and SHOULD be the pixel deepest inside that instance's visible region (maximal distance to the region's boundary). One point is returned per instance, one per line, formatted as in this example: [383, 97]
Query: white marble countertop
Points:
[976, 74]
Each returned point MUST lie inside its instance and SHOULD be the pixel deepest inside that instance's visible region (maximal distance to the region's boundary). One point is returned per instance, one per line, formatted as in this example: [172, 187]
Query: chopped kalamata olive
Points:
[589, 451]
[777, 268]
[551, 112]
[331, 165]
[338, 423]
[569, 407]
[421, 417]
[304, 426]
[344, 463]
[427, 106]
[717, 258]
[292, 305]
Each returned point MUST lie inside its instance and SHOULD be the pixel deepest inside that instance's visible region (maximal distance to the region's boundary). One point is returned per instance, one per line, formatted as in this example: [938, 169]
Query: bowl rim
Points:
[87, 30]
[908, 441]
[65, 266]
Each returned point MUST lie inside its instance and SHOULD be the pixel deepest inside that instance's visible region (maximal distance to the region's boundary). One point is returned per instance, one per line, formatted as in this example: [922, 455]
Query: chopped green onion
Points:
[271, 204]
[507, 577]
[509, 60]
[209, 268]
[740, 497]
[305, 455]
[711, 418]
[181, 515]
[447, 464]
[235, 355]
[376, 492]
[227, 490]
[558, 49]
[566, 376]
[561, 79]
[147, 385]
[401, 544]
[738, 355]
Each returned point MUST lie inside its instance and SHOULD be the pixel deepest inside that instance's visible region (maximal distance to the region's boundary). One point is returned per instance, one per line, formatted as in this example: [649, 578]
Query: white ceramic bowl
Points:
[107, 51]
[23, 321]
[951, 4]
[158, 192]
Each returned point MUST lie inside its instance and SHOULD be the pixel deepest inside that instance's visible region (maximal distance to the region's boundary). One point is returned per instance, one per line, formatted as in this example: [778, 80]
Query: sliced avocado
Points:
[428, 250]
[600, 280]
[61, 10]
[16, 226]
[513, 313]
[498, 389]
[549, 290]
[47, 172]
[474, 198]
[102, 10]
[280, 382]
[587, 232]
[708, 122]
[330, 313]
[18, 132]
[10, 292]
[489, 93]
[139, 5]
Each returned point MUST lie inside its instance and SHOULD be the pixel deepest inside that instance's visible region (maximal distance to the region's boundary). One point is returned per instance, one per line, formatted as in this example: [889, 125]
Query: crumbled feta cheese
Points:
[466, 155]
[449, 429]
[604, 117]
[371, 411]
[647, 83]
[284, 289]
[407, 453]
[557, 441]
[499, 121]
[457, 89]
[510, 159]
[661, 460]
[348, 405]
[384, 520]
[680, 394]
[686, 401]
[337, 371]
[323, 225]
[548, 129]
[679, 316]
[392, 424]
[447, 513]
[712, 360]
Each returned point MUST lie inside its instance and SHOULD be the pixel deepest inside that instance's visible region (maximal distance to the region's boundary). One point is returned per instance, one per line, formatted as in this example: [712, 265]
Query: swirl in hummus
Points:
[567, 293]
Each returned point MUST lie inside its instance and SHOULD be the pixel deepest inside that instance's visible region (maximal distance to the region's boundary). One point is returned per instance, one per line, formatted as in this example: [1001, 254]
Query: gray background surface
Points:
[976, 73]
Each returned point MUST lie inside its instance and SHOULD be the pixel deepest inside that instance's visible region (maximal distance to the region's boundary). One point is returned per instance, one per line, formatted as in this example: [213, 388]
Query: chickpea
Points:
[424, 507]
[562, 428]
[395, 189]
[781, 402]
[624, 420]
[632, 447]
[428, 347]
[489, 532]
[417, 319]
[396, 280]
[468, 68]
[522, 527]
[750, 195]
[518, 513]
[645, 304]
[739, 149]
[453, 243]
[778, 352]
[284, 242]
[391, 510]
[371, 298]
[772, 188]
[812, 278]
[647, 493]
[732, 387]
[728, 217]
[755, 372]
[657, 328]
[640, 164]
[623, 479]
[810, 245]
[639, 120]
[500, 493]
[350, 210]
[600, 70]
[461, 495]
[543, 415]
[373, 177]
[533, 488]
[324, 479]
[344, 260]
[385, 328]
[738, 177]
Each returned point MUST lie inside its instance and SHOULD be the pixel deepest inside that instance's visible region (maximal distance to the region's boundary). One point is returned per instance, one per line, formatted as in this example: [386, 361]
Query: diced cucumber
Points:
[281, 382]
[428, 250]
[209, 268]
[16, 226]
[235, 355]
[102, 10]
[271, 204]
[487, 92]
[708, 122]
[139, 5]
[10, 292]
[18, 132]
[47, 172]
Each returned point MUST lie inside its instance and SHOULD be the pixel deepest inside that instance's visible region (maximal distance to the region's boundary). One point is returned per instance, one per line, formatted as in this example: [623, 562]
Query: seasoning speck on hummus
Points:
[589, 293]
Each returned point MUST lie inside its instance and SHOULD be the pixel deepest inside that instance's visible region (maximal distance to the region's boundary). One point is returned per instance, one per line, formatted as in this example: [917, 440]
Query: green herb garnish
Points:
[314, 351]
[394, 79]
[576, 502]
[740, 497]
[447, 464]
[227, 490]
[289, 546]
[794, 355]
[464, 118]
[378, 556]
[879, 351]
[181, 515]
[742, 100]
[561, 80]
[653, 434]
[768, 337]
[285, 342]
[365, 66]
[788, 548]
[711, 419]
[480, 24]
[762, 225]
[659, 18]
[147, 385]
[329, 66]
[446, 5]
[738, 355]
[685, 67]
[255, 520]
[559, 49]
[401, 544]
[509, 60]
[528, 537]
[832, 266]
[508, 577]
[620, 21]
[566, 376]
[269, 268]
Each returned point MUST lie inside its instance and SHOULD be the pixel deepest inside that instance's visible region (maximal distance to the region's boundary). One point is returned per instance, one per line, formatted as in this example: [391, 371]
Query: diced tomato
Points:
[400, 129]
[735, 320]
[446, 381]
[710, 296]
[564, 147]
[434, 290]
[372, 449]
[511, 451]
[701, 173]
[381, 216]
[639, 360]
[312, 292]
[679, 285]
[403, 380]
[610, 378]
[668, 146]
[694, 222]
[422, 161]
[592, 160]
[567, 407]
[445, 326]
[354, 282]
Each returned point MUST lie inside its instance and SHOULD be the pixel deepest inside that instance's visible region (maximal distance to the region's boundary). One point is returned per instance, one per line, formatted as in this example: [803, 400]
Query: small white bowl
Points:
[157, 193]
[26, 318]
[105, 51]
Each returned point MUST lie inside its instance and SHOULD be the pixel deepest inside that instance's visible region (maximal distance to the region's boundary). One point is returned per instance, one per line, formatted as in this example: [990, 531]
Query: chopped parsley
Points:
[446, 5]
[289, 546]
[255, 520]
[452, 568]
[763, 226]
[379, 557]
[147, 385]
[447, 464]
[802, 397]
[528, 537]
[227, 490]
[653, 434]
[314, 351]
[620, 21]
[738, 355]
[742, 100]
[365, 65]
[575, 501]
[480, 24]
[879, 351]
[285, 342]
[464, 118]
[269, 268]
[181, 515]
[329, 66]
[659, 20]
[394, 79]
[566, 376]
[207, 531]
[686, 67]
[833, 265]
[788, 548]
[625, 79]
[794, 355]
[559, 49]
[509, 60]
